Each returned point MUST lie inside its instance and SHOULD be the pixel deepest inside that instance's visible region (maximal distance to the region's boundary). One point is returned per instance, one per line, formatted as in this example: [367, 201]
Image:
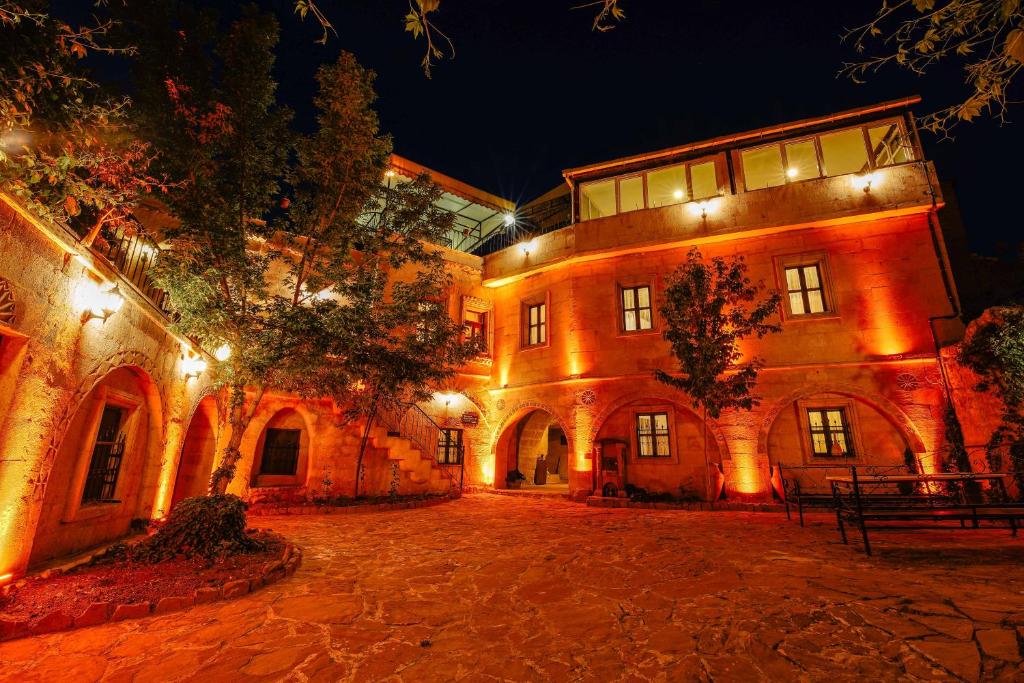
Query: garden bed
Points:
[94, 593]
[347, 505]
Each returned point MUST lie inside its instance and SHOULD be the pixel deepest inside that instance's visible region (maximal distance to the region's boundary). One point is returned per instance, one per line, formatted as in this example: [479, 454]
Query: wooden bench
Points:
[878, 502]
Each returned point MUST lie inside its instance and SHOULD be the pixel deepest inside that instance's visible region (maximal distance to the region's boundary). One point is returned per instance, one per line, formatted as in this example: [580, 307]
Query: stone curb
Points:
[103, 612]
[722, 506]
[258, 510]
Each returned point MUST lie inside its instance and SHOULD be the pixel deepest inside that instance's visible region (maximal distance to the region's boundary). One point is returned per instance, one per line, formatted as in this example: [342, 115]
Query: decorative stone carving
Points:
[907, 381]
[500, 404]
[587, 397]
[474, 303]
[7, 308]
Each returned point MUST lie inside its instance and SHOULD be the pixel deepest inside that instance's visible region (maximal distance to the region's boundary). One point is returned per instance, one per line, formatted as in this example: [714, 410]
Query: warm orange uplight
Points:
[6, 578]
[97, 301]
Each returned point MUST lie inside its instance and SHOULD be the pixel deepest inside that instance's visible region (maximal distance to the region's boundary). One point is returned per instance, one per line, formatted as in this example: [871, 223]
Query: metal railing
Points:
[410, 422]
[133, 254]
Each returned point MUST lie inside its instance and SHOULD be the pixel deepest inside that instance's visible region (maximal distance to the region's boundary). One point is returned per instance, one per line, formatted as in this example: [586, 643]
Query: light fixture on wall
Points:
[390, 173]
[792, 172]
[96, 301]
[192, 366]
[527, 246]
[864, 181]
[510, 220]
[701, 208]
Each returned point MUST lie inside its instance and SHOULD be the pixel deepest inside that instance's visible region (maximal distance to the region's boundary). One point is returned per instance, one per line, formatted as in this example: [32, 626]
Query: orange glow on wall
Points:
[582, 443]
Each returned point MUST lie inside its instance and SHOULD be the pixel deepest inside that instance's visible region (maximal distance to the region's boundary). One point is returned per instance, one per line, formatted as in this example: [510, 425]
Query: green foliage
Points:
[985, 37]
[708, 309]
[204, 527]
[994, 349]
[66, 146]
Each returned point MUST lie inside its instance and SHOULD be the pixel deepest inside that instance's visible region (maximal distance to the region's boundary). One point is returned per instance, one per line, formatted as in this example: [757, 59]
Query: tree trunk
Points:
[707, 465]
[239, 417]
[362, 444]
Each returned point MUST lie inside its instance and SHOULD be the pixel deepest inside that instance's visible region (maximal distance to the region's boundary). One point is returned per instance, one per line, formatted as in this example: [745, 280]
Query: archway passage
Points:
[536, 446]
[197, 453]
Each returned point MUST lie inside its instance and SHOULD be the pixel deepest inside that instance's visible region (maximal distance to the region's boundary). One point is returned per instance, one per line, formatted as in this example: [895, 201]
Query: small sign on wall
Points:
[470, 419]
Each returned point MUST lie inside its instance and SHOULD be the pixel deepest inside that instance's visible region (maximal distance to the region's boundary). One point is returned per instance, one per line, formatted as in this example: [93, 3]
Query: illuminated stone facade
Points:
[869, 353]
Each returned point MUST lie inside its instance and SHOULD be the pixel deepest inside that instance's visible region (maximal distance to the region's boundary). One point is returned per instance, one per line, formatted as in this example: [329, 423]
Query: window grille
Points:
[107, 454]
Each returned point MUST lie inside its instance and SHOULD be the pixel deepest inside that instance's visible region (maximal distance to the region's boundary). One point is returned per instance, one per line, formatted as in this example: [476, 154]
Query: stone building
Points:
[108, 419]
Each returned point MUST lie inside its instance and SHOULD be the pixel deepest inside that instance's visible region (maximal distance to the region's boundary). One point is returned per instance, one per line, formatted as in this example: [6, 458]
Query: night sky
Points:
[532, 90]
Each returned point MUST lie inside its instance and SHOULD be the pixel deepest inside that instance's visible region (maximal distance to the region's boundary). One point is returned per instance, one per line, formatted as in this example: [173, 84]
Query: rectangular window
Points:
[666, 186]
[888, 145]
[107, 454]
[802, 161]
[536, 324]
[844, 152]
[830, 432]
[449, 447]
[805, 290]
[597, 200]
[652, 435]
[636, 308]
[762, 167]
[476, 328]
[704, 180]
[280, 452]
[631, 194]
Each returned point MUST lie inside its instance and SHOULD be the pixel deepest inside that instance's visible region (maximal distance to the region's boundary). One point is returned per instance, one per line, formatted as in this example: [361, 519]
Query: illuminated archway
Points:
[198, 452]
[527, 431]
[102, 474]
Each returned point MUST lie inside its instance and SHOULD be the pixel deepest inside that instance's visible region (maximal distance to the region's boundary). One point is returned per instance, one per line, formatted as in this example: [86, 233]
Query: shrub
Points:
[206, 527]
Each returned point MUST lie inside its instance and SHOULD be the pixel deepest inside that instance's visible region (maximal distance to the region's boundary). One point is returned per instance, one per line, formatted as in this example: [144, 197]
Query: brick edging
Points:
[259, 510]
[721, 506]
[103, 612]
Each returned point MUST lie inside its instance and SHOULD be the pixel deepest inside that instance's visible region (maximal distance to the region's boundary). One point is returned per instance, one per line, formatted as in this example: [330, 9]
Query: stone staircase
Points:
[419, 472]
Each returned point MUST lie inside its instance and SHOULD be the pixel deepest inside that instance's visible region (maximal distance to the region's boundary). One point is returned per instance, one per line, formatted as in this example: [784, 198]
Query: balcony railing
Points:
[133, 254]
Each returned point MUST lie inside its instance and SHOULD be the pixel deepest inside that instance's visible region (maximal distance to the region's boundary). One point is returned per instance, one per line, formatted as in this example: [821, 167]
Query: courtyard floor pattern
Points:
[490, 588]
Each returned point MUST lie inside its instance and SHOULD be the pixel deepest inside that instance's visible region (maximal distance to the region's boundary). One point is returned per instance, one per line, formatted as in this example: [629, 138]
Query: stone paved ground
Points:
[500, 588]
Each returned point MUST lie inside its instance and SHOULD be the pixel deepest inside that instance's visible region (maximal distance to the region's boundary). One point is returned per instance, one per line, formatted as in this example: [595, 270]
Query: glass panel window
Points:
[449, 446]
[801, 161]
[805, 290]
[888, 145]
[631, 193]
[830, 432]
[666, 186]
[762, 167]
[536, 324]
[844, 152]
[704, 180]
[280, 452]
[597, 200]
[107, 453]
[636, 308]
[652, 435]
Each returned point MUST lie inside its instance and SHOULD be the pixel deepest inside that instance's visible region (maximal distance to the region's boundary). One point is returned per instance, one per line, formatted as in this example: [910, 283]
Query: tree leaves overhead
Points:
[985, 36]
[709, 308]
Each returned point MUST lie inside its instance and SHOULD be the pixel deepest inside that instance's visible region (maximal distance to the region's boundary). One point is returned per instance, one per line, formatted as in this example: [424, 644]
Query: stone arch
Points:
[254, 433]
[130, 359]
[892, 412]
[660, 394]
[69, 522]
[511, 417]
[198, 453]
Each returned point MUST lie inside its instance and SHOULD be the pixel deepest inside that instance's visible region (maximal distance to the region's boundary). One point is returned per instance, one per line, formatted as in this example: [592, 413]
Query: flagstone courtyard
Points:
[491, 588]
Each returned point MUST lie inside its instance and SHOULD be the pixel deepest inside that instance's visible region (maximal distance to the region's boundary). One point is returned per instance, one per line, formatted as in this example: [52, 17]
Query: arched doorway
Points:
[536, 446]
[100, 479]
[197, 452]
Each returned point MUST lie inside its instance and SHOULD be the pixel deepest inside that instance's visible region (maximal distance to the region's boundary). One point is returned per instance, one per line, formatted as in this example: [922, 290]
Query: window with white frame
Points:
[663, 186]
[652, 435]
[535, 331]
[636, 308]
[805, 289]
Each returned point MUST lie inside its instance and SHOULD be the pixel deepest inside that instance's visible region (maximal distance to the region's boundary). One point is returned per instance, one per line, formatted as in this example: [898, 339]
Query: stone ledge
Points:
[258, 510]
[103, 612]
[720, 506]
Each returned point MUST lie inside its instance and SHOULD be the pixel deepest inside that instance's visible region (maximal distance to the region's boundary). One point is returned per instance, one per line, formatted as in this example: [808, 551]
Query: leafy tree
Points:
[65, 145]
[985, 36]
[994, 349]
[709, 308]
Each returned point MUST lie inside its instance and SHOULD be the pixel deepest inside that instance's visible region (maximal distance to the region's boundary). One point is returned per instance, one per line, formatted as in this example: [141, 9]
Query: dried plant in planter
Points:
[206, 527]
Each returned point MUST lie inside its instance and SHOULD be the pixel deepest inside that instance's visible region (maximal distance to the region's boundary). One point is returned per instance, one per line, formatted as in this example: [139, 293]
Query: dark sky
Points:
[532, 90]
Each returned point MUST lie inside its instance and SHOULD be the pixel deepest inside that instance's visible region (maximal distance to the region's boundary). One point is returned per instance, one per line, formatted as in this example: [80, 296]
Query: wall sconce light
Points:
[510, 220]
[527, 246]
[700, 208]
[223, 352]
[192, 366]
[97, 302]
[864, 181]
[390, 173]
